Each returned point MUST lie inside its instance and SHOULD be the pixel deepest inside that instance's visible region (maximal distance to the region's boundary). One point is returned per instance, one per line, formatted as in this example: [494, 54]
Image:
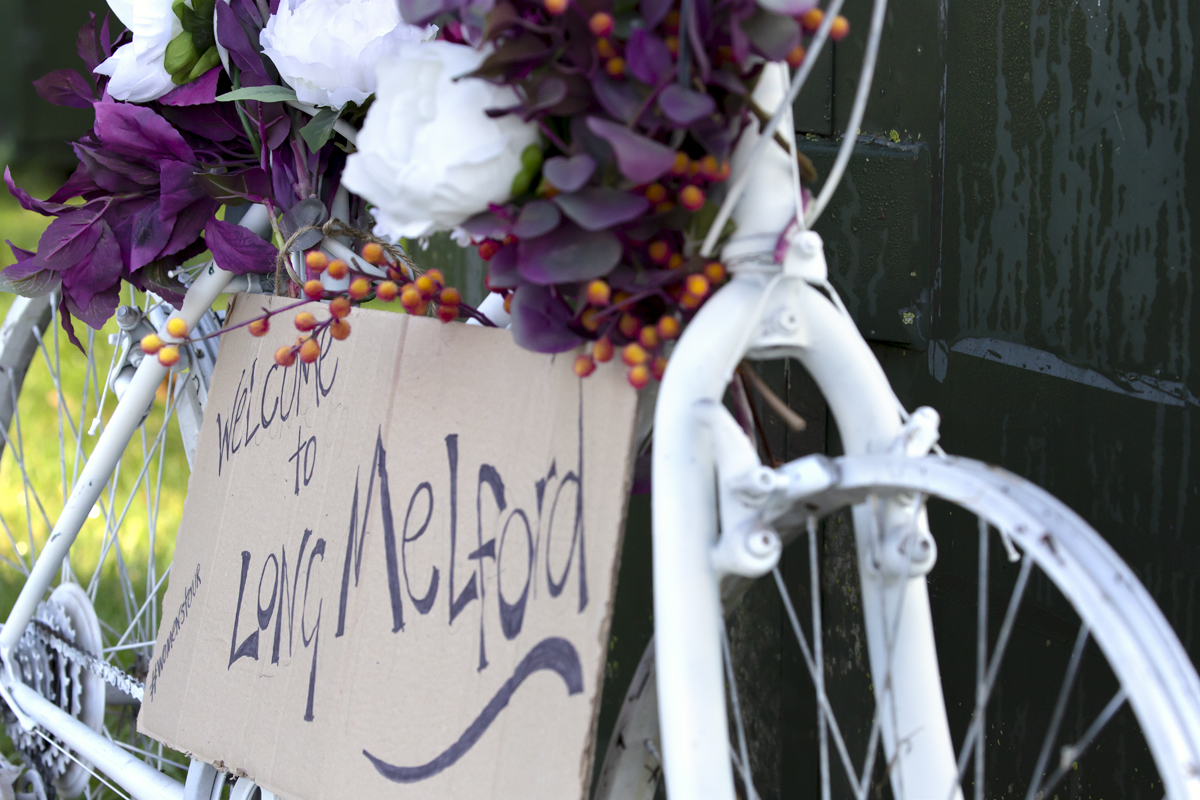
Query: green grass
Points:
[42, 414]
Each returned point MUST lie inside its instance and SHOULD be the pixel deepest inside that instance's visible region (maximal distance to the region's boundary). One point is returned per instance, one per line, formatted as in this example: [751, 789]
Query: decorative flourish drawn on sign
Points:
[554, 654]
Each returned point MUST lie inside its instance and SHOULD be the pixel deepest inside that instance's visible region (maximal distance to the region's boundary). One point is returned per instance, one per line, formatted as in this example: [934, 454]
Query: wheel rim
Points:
[1119, 616]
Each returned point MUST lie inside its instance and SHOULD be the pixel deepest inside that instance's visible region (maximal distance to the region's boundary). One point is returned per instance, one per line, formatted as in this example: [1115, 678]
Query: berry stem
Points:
[266, 315]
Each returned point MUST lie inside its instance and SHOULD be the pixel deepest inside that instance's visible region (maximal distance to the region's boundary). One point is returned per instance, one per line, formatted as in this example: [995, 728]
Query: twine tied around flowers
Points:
[330, 229]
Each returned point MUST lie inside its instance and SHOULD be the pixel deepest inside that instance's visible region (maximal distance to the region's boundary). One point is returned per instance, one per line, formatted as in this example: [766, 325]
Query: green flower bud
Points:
[531, 158]
[180, 57]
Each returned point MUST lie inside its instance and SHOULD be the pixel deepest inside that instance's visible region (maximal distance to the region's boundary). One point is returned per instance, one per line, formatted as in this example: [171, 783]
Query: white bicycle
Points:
[71, 667]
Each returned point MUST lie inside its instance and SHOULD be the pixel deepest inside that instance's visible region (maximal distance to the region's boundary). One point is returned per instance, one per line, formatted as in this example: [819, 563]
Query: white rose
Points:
[136, 69]
[428, 157]
[326, 49]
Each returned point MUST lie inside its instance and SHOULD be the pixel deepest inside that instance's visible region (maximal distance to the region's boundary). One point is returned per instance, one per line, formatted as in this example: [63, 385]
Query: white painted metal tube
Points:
[863, 405]
[687, 602]
[122, 767]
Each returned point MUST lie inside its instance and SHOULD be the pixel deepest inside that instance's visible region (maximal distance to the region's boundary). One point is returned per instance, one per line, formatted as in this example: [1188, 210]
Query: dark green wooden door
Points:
[1014, 236]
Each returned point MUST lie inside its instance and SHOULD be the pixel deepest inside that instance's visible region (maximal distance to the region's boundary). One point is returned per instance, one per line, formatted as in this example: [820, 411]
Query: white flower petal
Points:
[428, 156]
[136, 69]
[326, 49]
[135, 79]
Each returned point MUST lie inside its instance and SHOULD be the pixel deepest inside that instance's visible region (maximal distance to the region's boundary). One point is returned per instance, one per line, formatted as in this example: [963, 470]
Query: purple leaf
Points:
[588, 142]
[728, 81]
[597, 208]
[79, 184]
[641, 160]
[487, 225]
[28, 201]
[88, 45]
[539, 320]
[217, 122]
[150, 234]
[713, 136]
[248, 12]
[25, 279]
[113, 173]
[536, 218]
[238, 40]
[99, 272]
[97, 310]
[179, 187]
[233, 187]
[238, 250]
[199, 92]
[653, 12]
[685, 106]
[568, 254]
[279, 126]
[64, 319]
[502, 269]
[137, 131]
[189, 224]
[621, 99]
[65, 87]
[550, 92]
[647, 56]
[68, 240]
[569, 174]
[120, 217]
[739, 41]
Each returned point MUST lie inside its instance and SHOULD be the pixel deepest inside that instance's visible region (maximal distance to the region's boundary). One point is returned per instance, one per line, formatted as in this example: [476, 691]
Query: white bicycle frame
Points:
[765, 311]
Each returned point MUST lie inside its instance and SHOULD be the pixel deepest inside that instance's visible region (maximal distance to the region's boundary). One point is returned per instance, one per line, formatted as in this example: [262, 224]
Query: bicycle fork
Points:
[785, 316]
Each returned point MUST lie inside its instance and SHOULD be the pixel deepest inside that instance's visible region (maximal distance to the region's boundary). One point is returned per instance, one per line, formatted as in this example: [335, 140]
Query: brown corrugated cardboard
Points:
[395, 571]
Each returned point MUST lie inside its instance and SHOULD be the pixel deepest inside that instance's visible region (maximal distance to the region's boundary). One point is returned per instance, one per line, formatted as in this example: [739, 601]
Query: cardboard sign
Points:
[396, 566]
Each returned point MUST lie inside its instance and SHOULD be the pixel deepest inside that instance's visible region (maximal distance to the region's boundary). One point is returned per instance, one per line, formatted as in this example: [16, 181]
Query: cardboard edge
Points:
[587, 764]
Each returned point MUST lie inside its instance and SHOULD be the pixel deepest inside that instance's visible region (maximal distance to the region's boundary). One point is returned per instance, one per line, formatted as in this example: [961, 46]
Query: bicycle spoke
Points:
[90, 770]
[147, 603]
[148, 754]
[1060, 706]
[1010, 616]
[818, 654]
[1071, 752]
[822, 700]
[747, 779]
[981, 648]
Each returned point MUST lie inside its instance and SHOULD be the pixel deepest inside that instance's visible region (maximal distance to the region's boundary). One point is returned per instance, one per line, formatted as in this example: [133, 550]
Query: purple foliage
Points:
[568, 254]
[139, 133]
[201, 91]
[238, 250]
[597, 208]
[569, 174]
[537, 218]
[639, 158]
[65, 87]
[648, 58]
[685, 106]
[540, 319]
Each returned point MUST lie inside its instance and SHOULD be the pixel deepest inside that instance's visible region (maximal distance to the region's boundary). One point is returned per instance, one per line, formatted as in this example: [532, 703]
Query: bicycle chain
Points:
[110, 674]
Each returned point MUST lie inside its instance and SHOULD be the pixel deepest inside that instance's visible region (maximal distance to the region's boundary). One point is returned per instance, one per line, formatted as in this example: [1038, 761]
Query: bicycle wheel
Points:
[1113, 695]
[91, 642]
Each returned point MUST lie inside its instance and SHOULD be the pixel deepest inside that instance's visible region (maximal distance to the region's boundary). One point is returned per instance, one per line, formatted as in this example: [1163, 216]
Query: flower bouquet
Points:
[583, 147]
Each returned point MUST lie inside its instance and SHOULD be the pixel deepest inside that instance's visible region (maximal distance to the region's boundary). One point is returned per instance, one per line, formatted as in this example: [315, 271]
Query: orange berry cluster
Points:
[307, 347]
[168, 354]
[809, 22]
[642, 335]
[415, 296]
[429, 289]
